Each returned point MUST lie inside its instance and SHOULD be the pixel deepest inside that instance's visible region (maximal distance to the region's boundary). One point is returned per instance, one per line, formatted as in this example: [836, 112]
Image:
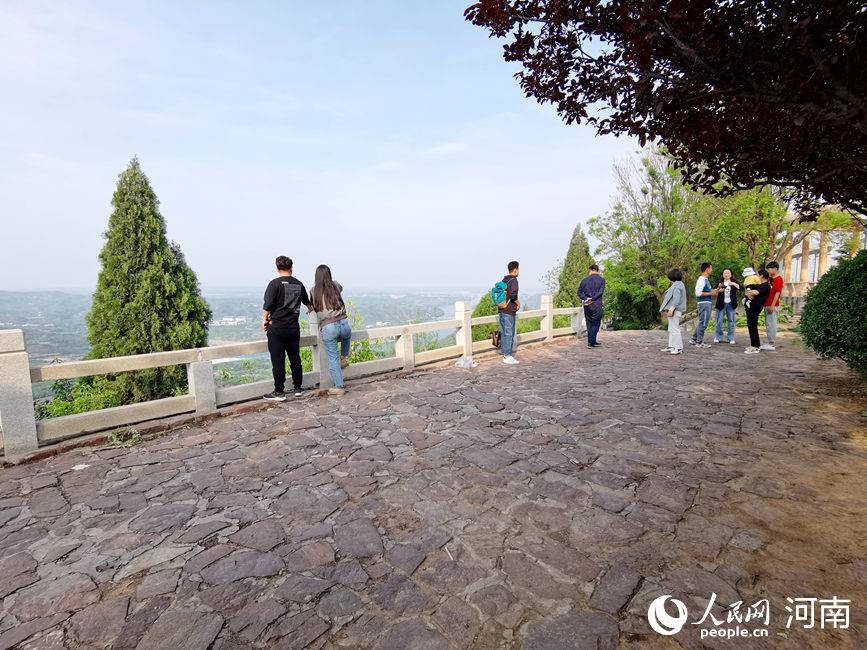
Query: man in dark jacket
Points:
[590, 292]
[507, 314]
[283, 298]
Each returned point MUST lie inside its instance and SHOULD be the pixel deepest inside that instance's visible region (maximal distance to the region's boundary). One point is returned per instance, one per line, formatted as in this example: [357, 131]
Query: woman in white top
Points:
[726, 304]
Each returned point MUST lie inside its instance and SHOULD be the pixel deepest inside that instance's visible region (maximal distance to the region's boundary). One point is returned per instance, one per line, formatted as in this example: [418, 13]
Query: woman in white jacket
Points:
[673, 306]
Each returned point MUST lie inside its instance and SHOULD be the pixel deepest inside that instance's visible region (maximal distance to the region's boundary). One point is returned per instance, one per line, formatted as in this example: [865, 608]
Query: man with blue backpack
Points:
[505, 297]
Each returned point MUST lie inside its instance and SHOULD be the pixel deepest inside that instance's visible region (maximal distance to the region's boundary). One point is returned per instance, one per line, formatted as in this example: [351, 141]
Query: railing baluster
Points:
[16, 396]
[464, 333]
[405, 349]
[200, 377]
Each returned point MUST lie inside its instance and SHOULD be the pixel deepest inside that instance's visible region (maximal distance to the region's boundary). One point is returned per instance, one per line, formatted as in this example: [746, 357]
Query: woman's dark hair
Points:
[721, 280]
[763, 274]
[325, 294]
[675, 275]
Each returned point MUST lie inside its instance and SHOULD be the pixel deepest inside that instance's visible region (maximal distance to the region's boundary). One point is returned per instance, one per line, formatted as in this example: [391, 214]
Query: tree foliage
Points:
[833, 322]
[657, 224]
[147, 298]
[486, 307]
[70, 397]
[767, 93]
[575, 267]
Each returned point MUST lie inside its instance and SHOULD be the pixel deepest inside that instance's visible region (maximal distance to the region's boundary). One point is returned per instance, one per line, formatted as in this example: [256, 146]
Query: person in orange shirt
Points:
[772, 306]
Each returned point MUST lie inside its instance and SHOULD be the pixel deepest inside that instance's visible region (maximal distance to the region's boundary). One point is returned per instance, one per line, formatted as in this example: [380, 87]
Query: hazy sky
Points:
[386, 139]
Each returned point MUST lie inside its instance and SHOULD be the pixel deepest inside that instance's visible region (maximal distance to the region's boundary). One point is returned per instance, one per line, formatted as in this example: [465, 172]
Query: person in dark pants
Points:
[754, 303]
[283, 297]
[590, 292]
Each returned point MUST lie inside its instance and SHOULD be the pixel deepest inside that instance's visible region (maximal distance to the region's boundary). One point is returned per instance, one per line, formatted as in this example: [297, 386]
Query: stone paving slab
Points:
[544, 505]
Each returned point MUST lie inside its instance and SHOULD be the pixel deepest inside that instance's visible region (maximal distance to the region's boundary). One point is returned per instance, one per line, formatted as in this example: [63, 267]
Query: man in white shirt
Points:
[704, 296]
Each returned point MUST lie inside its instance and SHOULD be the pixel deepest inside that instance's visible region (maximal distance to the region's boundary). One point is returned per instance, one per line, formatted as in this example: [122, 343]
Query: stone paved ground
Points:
[537, 506]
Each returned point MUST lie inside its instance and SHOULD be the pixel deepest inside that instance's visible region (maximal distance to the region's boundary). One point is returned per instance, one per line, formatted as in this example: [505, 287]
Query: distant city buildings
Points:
[229, 321]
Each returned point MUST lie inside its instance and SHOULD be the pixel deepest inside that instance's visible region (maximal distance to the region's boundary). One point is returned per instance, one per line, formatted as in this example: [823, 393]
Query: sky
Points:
[388, 140]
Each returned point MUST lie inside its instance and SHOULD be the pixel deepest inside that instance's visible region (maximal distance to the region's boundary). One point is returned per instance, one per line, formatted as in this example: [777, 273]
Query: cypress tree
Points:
[147, 298]
[575, 266]
[574, 269]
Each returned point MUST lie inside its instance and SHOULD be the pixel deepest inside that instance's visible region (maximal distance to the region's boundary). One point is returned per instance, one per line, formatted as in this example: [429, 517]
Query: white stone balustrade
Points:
[23, 434]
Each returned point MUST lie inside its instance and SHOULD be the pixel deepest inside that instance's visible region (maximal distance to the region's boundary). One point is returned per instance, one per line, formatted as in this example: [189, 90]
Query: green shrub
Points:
[784, 316]
[625, 308]
[486, 307]
[87, 394]
[629, 325]
[127, 437]
[833, 323]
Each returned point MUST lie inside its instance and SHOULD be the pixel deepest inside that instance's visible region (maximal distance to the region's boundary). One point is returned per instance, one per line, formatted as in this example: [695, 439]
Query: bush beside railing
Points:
[23, 434]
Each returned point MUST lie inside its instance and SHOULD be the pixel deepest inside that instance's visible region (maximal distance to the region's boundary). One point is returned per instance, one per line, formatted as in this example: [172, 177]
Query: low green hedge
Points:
[834, 322]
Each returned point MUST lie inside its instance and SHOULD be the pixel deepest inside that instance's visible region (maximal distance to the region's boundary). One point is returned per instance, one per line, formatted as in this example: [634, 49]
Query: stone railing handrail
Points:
[22, 433]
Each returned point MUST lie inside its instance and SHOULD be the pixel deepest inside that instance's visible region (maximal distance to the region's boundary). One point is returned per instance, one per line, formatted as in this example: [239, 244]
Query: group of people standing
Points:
[762, 291]
[590, 292]
[284, 296]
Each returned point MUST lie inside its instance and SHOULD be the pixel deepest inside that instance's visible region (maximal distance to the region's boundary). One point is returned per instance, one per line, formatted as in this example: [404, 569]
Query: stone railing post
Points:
[320, 359]
[16, 396]
[404, 349]
[578, 323]
[464, 334]
[200, 377]
[548, 318]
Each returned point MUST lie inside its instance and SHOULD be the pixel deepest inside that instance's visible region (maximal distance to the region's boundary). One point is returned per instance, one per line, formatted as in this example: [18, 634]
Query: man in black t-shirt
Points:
[283, 298]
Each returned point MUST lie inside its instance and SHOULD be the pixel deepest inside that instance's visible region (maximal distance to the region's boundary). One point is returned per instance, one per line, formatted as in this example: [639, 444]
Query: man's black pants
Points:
[281, 343]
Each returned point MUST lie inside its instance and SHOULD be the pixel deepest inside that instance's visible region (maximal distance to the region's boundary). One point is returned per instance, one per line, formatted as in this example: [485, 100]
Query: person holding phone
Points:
[726, 301]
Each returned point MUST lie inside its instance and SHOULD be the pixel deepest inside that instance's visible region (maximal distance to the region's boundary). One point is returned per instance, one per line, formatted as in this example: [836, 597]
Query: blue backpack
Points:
[498, 293]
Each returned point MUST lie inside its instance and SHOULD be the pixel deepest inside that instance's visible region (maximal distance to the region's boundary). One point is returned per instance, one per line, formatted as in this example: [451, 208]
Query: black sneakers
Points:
[274, 397]
[299, 392]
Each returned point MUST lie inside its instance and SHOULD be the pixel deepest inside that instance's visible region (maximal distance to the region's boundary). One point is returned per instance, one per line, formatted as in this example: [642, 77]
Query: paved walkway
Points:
[544, 505]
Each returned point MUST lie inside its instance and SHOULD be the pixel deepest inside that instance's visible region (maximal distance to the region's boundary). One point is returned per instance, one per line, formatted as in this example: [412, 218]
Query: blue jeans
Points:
[507, 333]
[729, 312]
[704, 309]
[593, 316]
[331, 334]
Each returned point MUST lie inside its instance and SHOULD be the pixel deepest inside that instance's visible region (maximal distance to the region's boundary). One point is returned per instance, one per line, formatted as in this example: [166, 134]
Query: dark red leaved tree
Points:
[751, 92]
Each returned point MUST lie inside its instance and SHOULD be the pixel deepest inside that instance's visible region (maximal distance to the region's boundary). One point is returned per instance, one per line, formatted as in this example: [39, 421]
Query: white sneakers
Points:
[510, 359]
[768, 346]
[751, 350]
[675, 351]
[666, 349]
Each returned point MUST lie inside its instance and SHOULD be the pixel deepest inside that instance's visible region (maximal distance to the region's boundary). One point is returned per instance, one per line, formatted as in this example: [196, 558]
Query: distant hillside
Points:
[53, 321]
